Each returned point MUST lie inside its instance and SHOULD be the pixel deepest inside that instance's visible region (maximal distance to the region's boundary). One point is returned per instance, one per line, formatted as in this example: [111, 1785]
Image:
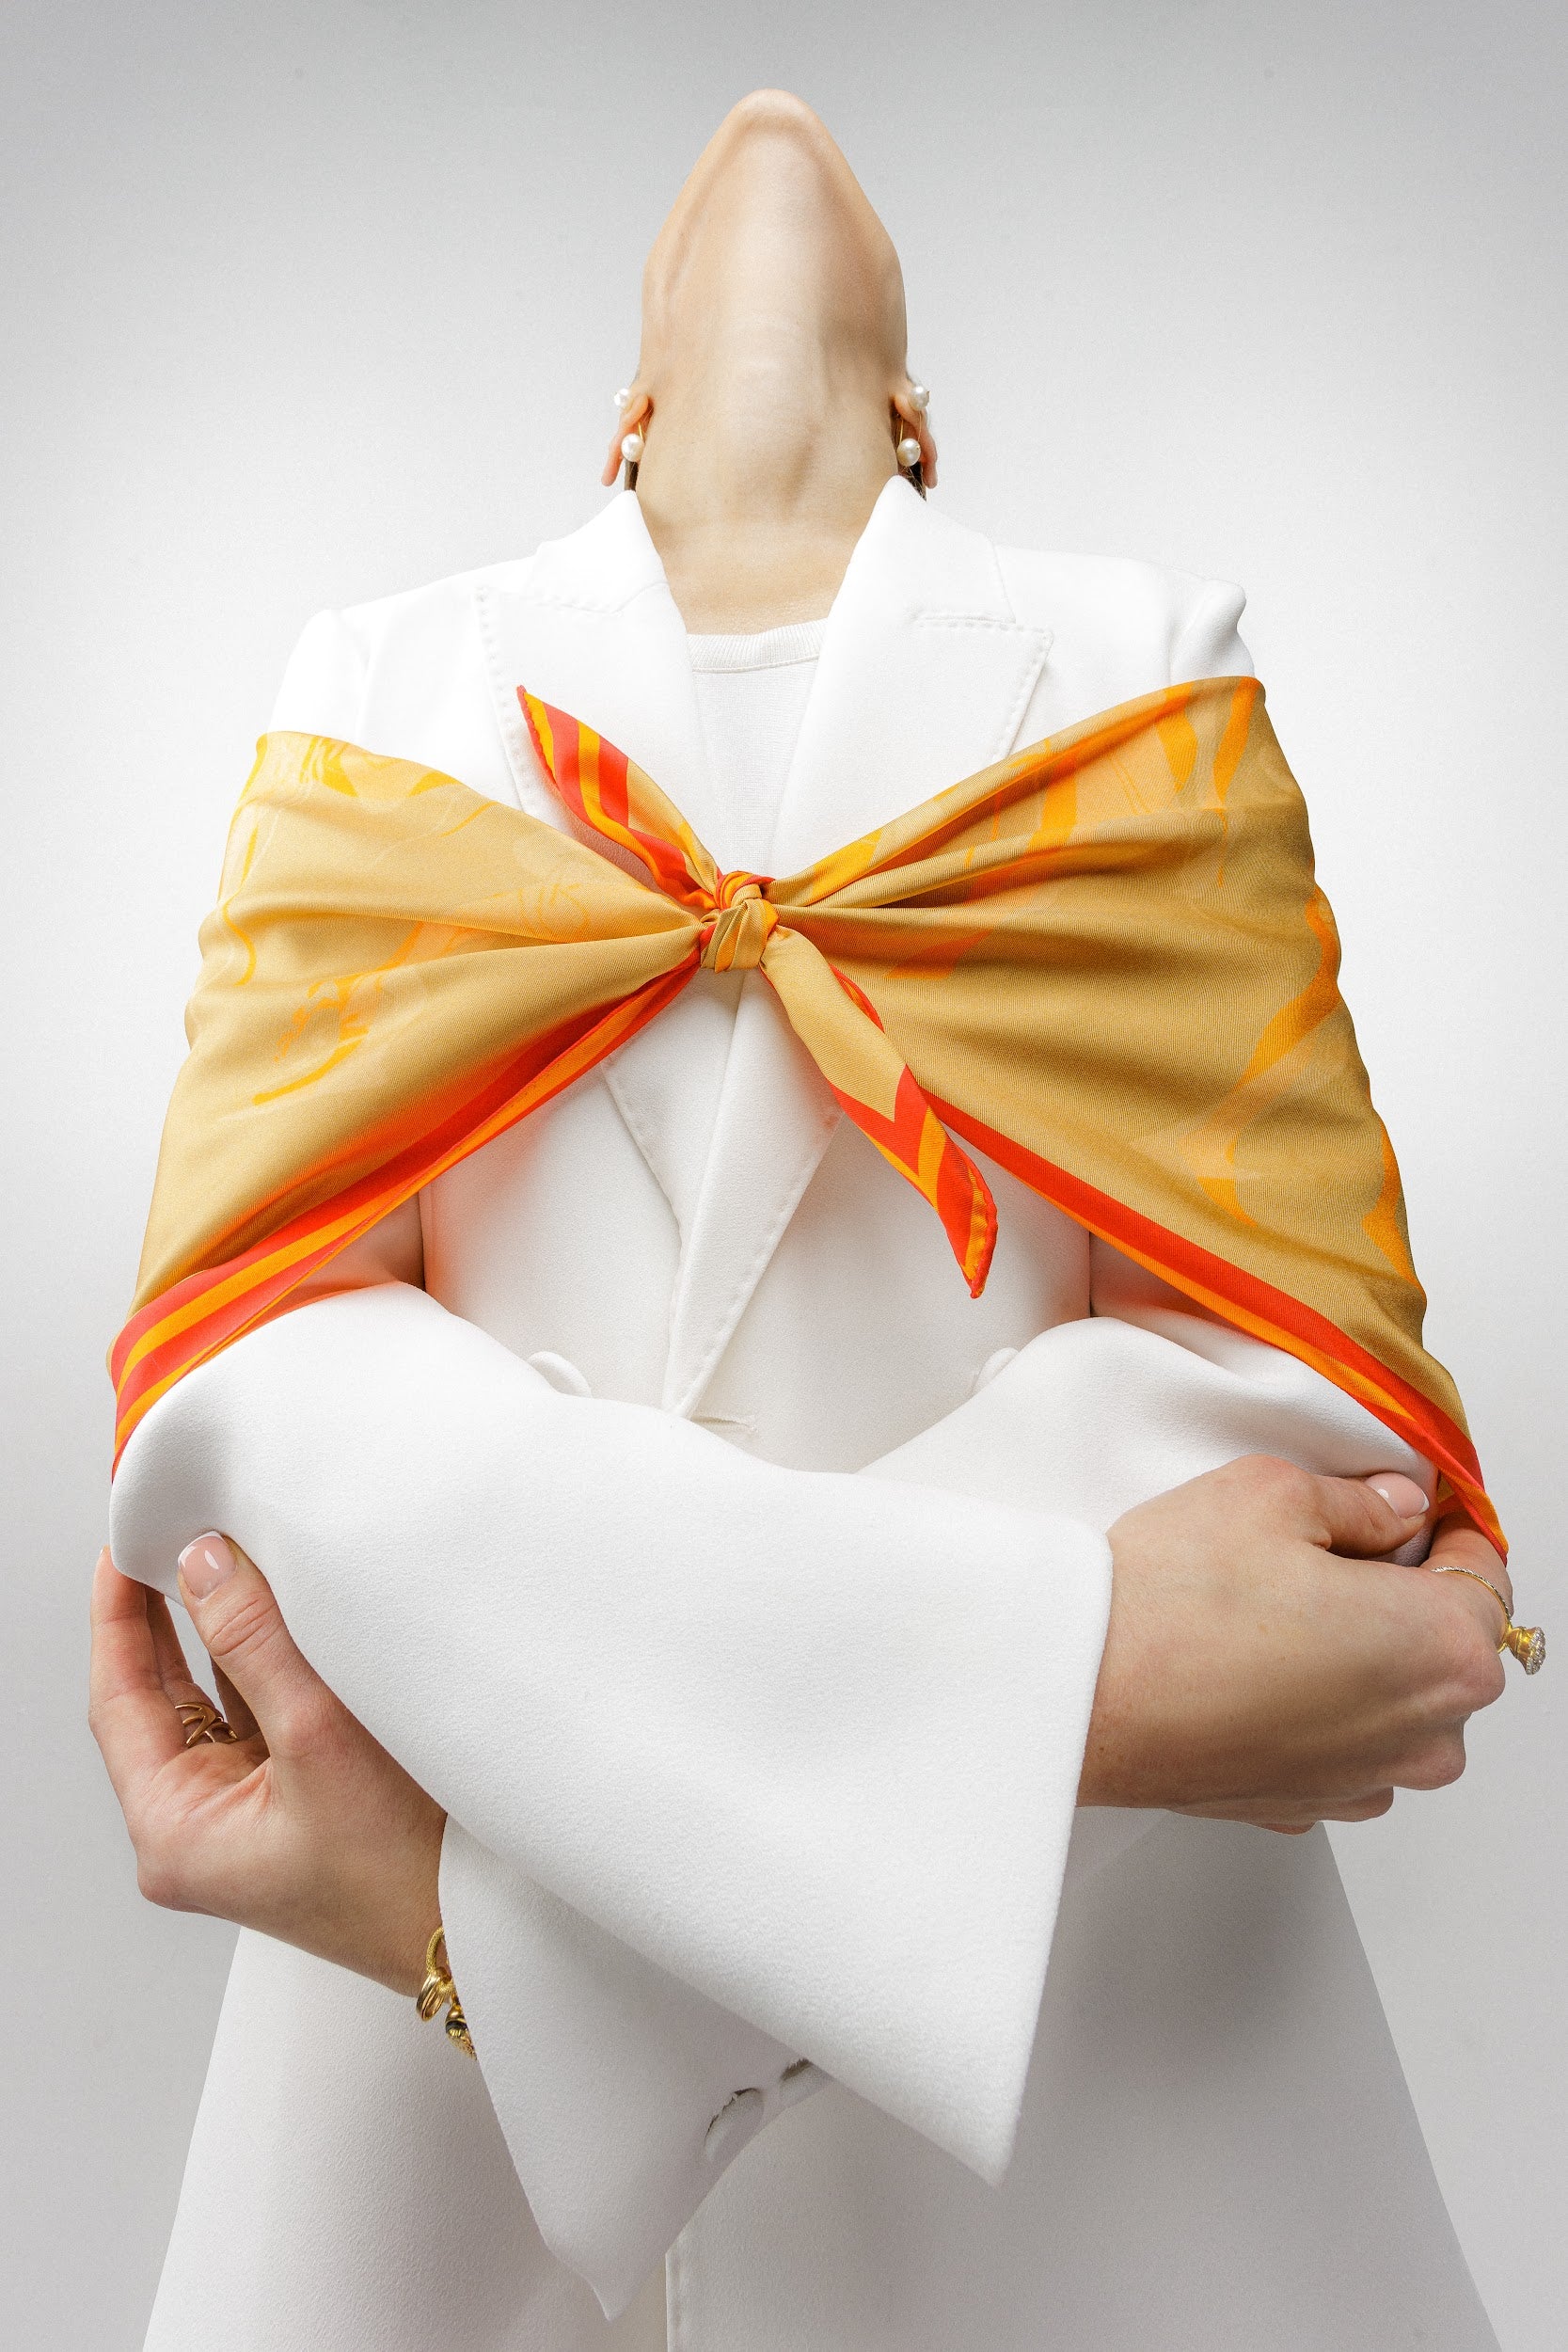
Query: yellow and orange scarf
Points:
[1104, 961]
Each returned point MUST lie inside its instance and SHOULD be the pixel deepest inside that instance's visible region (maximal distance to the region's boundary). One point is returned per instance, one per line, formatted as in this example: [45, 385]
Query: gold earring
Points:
[907, 448]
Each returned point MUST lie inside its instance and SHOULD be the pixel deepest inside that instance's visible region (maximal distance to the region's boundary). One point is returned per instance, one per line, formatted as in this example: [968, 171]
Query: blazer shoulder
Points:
[411, 610]
[404, 676]
[1173, 624]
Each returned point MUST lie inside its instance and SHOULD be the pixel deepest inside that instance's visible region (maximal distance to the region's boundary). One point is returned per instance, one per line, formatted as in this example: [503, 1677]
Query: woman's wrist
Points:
[397, 1913]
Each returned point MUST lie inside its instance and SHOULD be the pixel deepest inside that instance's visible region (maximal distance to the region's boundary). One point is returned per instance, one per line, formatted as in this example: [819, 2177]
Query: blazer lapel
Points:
[594, 630]
[925, 676]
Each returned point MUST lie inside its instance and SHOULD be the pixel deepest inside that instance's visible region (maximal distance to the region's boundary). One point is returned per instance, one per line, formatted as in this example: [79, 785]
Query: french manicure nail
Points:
[1401, 1494]
[204, 1565]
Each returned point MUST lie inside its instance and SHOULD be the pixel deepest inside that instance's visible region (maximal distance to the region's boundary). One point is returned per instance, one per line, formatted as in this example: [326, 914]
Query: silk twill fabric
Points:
[1106, 962]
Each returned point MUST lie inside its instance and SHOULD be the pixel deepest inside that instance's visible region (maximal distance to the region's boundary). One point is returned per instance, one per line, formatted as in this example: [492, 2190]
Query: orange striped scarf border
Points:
[209, 1309]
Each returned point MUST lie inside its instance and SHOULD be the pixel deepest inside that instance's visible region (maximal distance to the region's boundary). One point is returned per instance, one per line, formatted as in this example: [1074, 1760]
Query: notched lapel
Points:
[925, 676]
[772, 1120]
[595, 632]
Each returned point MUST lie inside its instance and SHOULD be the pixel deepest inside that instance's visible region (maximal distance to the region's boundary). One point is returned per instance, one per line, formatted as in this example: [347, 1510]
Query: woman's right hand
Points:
[1264, 1665]
[302, 1825]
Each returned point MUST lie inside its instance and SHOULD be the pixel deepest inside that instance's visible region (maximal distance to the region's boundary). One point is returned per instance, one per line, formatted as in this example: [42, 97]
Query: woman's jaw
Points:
[771, 384]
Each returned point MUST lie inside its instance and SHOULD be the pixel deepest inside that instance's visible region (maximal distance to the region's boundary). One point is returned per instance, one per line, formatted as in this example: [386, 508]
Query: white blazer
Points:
[738, 1585]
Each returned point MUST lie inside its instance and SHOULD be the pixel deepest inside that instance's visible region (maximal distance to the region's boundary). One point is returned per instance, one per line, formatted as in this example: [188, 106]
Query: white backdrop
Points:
[313, 300]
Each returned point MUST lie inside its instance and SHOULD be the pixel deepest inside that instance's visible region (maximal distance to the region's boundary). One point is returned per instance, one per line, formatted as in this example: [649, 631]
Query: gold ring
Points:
[1527, 1642]
[203, 1723]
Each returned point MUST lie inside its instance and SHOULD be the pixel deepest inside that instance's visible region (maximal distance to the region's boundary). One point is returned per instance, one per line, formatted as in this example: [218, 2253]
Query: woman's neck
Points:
[761, 465]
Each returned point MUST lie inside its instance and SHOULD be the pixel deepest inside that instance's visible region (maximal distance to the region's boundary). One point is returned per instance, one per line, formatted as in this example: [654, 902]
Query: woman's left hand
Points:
[302, 1826]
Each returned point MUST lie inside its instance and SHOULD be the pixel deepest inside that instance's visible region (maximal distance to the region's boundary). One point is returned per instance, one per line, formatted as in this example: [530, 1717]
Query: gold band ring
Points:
[1527, 1642]
[203, 1723]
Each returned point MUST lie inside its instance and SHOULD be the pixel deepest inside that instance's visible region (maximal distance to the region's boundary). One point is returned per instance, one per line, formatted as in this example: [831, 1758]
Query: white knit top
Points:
[752, 692]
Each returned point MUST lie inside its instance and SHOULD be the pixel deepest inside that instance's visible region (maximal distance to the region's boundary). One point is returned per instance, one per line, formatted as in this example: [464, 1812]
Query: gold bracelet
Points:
[1527, 1642]
[438, 1992]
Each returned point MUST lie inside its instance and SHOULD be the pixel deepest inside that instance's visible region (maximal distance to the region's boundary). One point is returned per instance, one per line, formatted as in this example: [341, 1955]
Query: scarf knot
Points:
[742, 921]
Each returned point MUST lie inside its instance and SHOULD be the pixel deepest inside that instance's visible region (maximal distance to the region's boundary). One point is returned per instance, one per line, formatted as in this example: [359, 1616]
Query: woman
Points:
[729, 1586]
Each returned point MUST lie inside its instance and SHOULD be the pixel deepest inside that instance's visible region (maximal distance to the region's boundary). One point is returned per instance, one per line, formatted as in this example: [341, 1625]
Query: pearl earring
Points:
[631, 448]
[908, 448]
[631, 443]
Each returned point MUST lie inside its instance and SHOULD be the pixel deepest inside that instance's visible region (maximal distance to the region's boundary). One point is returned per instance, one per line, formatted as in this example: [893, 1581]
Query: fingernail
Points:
[205, 1564]
[1401, 1494]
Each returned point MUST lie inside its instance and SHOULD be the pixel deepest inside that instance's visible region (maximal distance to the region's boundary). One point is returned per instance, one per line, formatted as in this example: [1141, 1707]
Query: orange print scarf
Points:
[1104, 963]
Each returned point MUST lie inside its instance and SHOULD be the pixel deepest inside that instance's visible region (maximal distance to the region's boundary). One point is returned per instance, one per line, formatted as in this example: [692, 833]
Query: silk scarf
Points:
[1104, 963]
